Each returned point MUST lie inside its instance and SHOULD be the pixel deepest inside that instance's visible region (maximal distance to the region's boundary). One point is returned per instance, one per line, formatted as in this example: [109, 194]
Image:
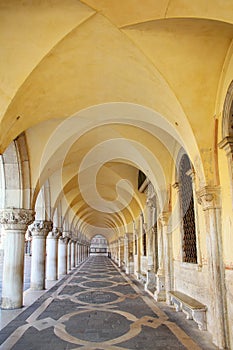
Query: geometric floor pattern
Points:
[96, 307]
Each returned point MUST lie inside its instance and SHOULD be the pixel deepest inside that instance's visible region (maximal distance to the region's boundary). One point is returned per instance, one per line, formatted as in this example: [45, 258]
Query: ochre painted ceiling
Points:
[103, 88]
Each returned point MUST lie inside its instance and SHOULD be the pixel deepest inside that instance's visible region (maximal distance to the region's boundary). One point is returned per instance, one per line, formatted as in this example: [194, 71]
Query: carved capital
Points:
[16, 219]
[150, 204]
[66, 234]
[209, 197]
[41, 228]
[150, 190]
[227, 144]
[54, 234]
[164, 217]
[63, 240]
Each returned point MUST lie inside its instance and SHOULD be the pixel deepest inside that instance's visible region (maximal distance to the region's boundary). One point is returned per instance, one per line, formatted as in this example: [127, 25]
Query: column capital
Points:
[41, 228]
[227, 144]
[55, 233]
[63, 240]
[66, 234]
[150, 204]
[164, 217]
[16, 219]
[209, 197]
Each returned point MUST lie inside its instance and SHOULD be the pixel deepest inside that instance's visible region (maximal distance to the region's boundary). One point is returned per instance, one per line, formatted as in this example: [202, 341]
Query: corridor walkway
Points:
[98, 307]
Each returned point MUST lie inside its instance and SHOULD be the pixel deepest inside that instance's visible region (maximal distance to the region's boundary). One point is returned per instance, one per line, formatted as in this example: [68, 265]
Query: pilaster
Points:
[209, 198]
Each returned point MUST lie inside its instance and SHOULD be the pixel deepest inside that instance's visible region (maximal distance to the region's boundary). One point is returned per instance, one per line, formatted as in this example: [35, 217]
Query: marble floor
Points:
[97, 306]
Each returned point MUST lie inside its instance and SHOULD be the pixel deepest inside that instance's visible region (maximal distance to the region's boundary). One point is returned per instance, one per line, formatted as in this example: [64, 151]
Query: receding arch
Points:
[15, 175]
[227, 132]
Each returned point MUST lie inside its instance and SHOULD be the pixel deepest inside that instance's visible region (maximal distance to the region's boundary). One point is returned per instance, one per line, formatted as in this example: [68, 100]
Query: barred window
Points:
[187, 212]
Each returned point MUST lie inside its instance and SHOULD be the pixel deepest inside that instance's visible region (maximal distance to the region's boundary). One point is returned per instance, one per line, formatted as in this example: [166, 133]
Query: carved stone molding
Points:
[16, 219]
[41, 228]
[176, 186]
[227, 144]
[209, 197]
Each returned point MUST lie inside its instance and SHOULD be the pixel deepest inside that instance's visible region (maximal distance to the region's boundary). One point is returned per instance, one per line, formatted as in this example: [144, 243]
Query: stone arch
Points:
[43, 203]
[99, 245]
[15, 180]
[227, 121]
[187, 207]
[227, 132]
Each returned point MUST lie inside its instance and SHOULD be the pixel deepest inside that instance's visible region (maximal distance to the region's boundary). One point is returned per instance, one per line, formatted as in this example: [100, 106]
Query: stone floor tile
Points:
[96, 306]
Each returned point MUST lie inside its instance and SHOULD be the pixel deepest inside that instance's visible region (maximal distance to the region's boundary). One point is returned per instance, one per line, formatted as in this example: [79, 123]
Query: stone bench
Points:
[192, 308]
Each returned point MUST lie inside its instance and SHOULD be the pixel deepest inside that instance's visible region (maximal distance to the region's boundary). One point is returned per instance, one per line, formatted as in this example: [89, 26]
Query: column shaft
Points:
[62, 256]
[72, 259]
[209, 197]
[52, 256]
[160, 284]
[68, 256]
[14, 222]
[39, 232]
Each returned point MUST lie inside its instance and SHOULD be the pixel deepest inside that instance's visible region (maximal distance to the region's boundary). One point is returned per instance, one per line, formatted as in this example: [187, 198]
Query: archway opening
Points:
[99, 246]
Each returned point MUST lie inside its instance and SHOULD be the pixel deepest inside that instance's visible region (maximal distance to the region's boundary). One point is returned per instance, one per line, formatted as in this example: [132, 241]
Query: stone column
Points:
[167, 254]
[62, 255]
[80, 252]
[84, 251]
[76, 254]
[52, 255]
[73, 244]
[68, 256]
[40, 230]
[120, 252]
[150, 275]
[126, 253]
[160, 294]
[81, 247]
[136, 250]
[15, 223]
[209, 197]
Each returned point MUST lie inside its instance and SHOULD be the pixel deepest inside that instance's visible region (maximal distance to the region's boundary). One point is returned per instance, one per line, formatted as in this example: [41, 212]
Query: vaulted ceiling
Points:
[104, 88]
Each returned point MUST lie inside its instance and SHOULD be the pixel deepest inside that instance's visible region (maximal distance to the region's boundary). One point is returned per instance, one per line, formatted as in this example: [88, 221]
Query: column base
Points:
[129, 268]
[160, 293]
[37, 287]
[150, 281]
[8, 304]
[51, 278]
